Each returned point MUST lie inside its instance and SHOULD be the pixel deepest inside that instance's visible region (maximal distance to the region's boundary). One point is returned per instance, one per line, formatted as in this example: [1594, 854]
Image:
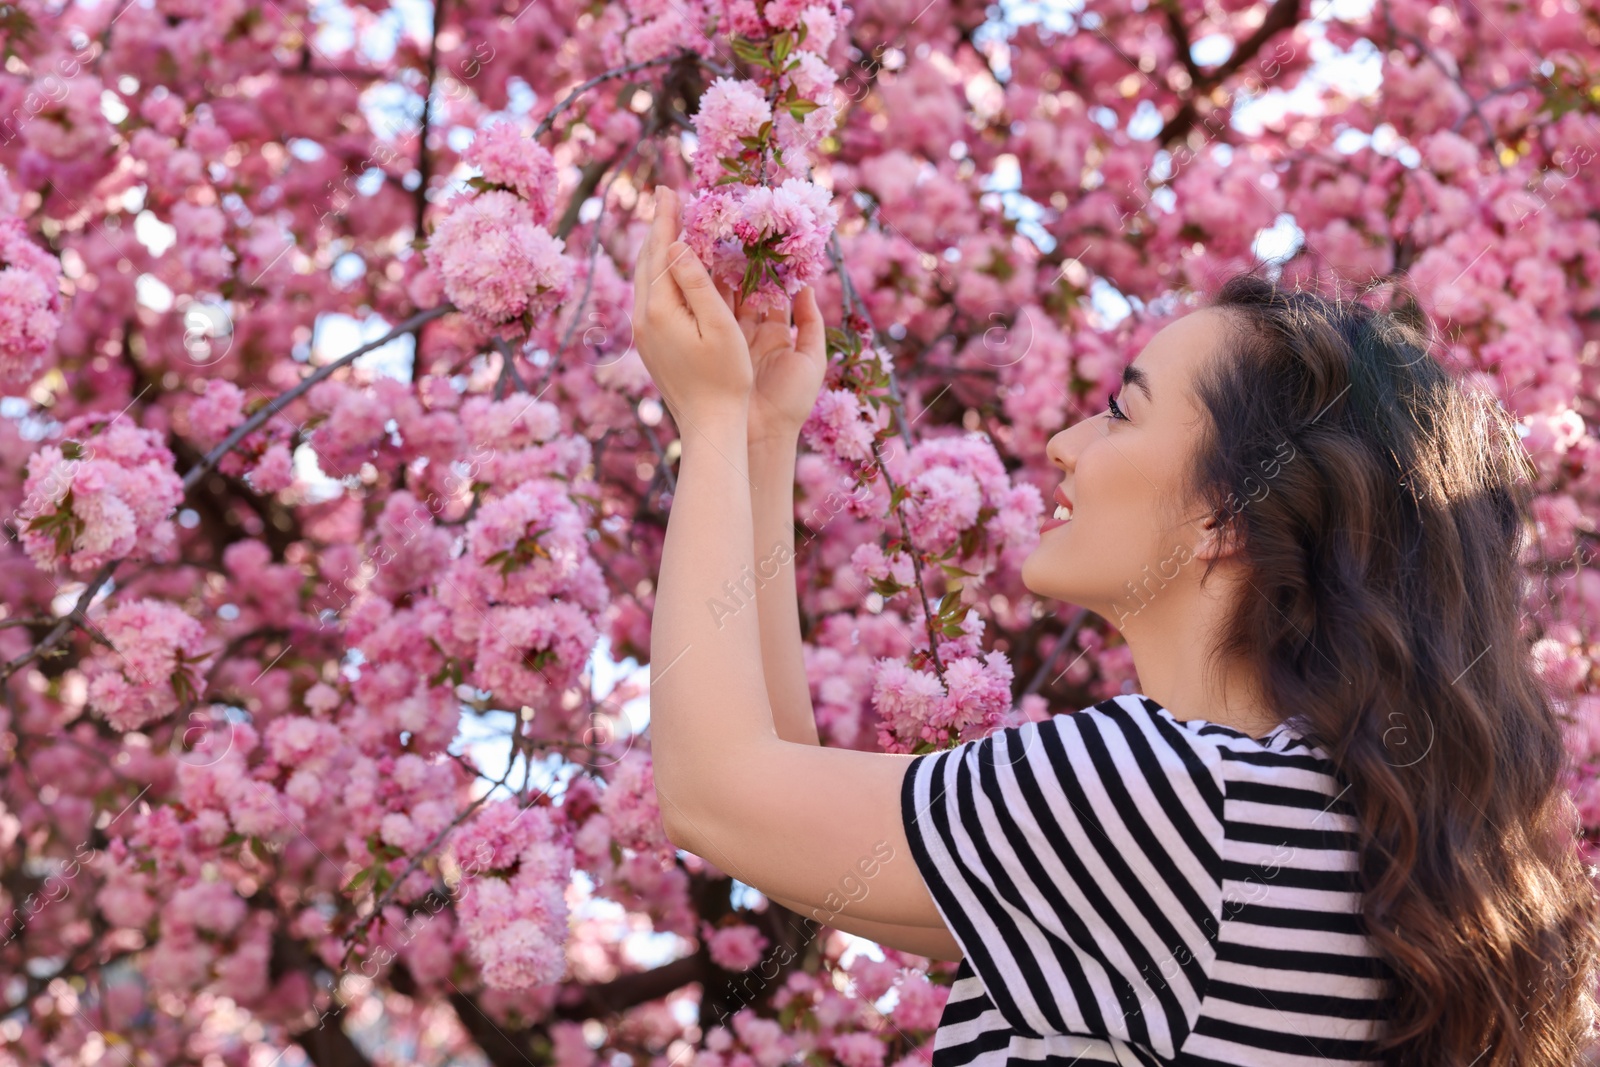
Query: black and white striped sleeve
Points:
[1077, 862]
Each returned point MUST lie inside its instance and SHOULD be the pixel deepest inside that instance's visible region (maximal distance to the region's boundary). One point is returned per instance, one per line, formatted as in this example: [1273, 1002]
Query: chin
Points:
[1047, 582]
[1030, 581]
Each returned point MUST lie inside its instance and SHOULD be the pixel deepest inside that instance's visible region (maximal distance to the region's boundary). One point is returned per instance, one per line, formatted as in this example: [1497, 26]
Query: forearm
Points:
[934, 942]
[777, 600]
[708, 697]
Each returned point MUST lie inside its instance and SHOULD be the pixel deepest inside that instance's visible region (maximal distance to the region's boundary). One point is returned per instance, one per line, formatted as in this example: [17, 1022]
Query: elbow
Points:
[674, 826]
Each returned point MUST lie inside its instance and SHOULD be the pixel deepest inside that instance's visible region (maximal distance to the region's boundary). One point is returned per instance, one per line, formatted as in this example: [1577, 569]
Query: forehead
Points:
[1179, 350]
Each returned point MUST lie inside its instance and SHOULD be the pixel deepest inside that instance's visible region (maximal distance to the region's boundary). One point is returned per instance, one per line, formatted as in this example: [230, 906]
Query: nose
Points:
[1062, 449]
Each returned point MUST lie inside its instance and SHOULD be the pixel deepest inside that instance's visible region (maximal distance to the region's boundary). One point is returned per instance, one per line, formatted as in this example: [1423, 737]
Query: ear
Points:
[1215, 537]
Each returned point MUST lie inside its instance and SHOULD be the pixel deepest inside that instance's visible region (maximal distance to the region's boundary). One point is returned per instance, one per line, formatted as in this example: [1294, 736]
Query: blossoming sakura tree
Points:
[257, 581]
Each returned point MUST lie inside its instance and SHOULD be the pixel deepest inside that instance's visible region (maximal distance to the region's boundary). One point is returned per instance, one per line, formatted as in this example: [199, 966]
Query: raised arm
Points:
[791, 820]
[935, 942]
[772, 499]
[777, 603]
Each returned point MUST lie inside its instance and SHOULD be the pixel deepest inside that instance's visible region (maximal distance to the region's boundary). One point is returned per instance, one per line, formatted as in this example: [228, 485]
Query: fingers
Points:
[778, 313]
[652, 263]
[741, 313]
[746, 315]
[808, 317]
[699, 291]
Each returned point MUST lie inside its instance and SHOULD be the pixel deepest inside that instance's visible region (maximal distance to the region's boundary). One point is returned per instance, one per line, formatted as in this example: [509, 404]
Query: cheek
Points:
[1107, 477]
[1121, 515]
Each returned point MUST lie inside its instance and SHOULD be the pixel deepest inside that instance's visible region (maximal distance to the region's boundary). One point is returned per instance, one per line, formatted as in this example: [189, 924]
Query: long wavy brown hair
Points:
[1386, 550]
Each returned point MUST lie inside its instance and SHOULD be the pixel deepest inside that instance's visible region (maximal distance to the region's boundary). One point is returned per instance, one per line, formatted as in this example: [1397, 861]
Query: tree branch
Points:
[1281, 16]
[207, 463]
[423, 159]
[327, 1045]
[549, 120]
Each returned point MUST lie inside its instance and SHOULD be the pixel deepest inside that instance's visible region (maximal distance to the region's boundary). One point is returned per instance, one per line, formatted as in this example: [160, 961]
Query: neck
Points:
[1171, 643]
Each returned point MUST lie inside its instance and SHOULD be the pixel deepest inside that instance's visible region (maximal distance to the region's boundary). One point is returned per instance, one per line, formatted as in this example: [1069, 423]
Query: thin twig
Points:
[79, 610]
[544, 127]
[1049, 661]
[854, 299]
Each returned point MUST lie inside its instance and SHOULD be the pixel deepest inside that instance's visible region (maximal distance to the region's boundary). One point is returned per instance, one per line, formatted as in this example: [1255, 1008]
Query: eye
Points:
[1116, 412]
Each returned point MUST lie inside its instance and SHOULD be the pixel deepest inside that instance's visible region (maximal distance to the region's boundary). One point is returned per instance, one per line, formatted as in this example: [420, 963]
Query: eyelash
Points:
[1116, 412]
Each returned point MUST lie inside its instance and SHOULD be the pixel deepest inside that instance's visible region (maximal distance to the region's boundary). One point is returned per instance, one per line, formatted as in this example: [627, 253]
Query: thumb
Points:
[698, 289]
[809, 324]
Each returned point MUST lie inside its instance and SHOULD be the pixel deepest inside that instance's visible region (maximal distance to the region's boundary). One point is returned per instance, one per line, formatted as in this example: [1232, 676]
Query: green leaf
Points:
[748, 50]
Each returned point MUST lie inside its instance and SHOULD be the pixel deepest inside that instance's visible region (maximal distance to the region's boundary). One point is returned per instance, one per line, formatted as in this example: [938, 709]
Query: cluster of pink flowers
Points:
[734, 948]
[750, 1041]
[757, 221]
[629, 804]
[523, 598]
[916, 711]
[263, 456]
[958, 493]
[727, 224]
[843, 426]
[103, 491]
[635, 31]
[496, 262]
[30, 298]
[518, 163]
[156, 663]
[491, 251]
[515, 862]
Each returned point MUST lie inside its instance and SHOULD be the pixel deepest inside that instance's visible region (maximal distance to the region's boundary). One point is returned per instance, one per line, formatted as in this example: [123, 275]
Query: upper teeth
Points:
[1063, 512]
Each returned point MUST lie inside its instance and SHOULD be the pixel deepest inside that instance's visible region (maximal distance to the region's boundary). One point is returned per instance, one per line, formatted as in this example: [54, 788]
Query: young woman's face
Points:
[1125, 479]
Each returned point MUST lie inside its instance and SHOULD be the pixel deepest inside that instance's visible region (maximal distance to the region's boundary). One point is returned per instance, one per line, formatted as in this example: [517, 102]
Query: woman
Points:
[1330, 830]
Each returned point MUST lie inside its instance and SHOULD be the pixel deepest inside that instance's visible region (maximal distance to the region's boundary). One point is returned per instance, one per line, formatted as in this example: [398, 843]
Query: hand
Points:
[788, 370]
[686, 334]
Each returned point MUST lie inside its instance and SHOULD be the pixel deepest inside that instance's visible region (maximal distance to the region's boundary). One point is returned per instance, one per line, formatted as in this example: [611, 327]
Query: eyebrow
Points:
[1136, 376]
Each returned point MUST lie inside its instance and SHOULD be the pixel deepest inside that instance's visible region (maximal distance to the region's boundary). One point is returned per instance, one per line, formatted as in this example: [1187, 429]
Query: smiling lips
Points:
[1063, 513]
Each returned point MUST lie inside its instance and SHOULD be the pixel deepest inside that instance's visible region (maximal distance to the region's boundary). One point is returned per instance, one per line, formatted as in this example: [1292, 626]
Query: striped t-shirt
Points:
[1127, 887]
